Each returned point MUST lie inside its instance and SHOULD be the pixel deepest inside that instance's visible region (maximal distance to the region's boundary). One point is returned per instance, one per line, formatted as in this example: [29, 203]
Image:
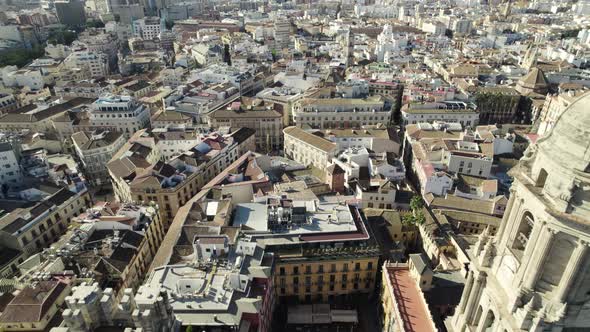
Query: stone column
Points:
[571, 270]
[530, 249]
[473, 300]
[511, 227]
[538, 257]
[468, 285]
[507, 213]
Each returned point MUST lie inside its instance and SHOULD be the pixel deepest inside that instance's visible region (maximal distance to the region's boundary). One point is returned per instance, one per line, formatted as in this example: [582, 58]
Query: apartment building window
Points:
[370, 266]
[344, 278]
[282, 282]
[320, 269]
[296, 285]
[320, 283]
[357, 266]
[295, 270]
[345, 267]
[307, 284]
[282, 271]
[308, 269]
[333, 268]
[282, 291]
[332, 278]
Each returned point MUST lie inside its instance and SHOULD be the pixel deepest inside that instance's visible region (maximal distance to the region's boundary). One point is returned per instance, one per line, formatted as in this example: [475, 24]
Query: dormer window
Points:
[541, 178]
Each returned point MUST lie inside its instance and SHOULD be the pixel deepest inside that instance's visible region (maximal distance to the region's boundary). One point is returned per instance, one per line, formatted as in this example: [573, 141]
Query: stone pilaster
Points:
[467, 289]
[512, 224]
[507, 213]
[541, 250]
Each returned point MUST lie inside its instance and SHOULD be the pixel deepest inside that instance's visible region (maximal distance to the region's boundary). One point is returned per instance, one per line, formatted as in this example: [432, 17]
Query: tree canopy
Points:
[417, 215]
[62, 36]
[20, 56]
[94, 24]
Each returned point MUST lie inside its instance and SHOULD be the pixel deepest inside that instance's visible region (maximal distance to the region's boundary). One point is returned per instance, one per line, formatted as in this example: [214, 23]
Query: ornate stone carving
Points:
[567, 191]
[537, 324]
[525, 315]
[529, 154]
[487, 254]
[482, 239]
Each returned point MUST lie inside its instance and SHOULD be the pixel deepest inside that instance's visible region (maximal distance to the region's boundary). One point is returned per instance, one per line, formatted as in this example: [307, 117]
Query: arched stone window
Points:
[490, 319]
[522, 236]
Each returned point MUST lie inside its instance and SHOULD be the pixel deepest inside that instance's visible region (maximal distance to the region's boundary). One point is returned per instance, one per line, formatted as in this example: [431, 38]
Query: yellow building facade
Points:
[319, 278]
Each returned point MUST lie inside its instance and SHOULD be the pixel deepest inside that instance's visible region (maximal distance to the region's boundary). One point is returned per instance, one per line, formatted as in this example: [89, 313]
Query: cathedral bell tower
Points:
[535, 274]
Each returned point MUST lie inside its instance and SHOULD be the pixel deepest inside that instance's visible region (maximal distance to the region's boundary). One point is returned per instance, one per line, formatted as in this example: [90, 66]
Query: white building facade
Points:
[95, 63]
[445, 111]
[148, 27]
[10, 173]
[121, 113]
[324, 113]
[307, 148]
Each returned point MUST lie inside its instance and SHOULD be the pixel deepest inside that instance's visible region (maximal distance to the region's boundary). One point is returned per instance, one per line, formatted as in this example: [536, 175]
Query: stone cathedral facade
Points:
[535, 274]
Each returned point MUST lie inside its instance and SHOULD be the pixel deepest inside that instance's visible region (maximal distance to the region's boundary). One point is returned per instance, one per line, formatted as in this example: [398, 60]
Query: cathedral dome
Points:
[561, 163]
[569, 141]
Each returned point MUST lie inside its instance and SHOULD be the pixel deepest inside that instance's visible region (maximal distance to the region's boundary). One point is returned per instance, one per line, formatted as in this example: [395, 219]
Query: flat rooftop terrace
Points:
[415, 316]
[324, 218]
[193, 289]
